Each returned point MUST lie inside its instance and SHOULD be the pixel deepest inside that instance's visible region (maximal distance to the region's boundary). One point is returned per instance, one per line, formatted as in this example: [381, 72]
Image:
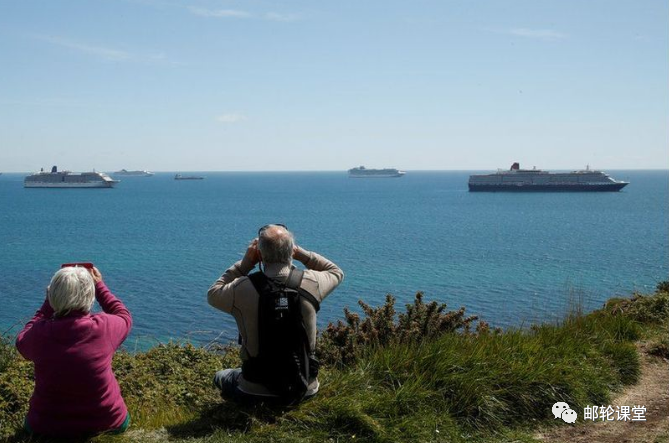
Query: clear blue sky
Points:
[306, 85]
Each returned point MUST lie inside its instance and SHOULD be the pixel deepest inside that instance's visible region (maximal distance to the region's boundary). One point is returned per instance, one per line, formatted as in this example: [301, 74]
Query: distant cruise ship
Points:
[362, 172]
[528, 180]
[67, 179]
[133, 173]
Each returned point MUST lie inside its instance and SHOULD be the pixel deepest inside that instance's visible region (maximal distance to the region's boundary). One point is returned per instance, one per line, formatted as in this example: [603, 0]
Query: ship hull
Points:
[377, 176]
[604, 187]
[69, 185]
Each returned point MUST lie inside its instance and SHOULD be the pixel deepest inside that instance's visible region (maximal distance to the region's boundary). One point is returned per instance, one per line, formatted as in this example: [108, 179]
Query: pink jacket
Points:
[75, 389]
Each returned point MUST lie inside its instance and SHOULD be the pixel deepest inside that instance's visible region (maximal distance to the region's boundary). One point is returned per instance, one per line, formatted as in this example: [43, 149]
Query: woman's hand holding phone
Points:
[95, 273]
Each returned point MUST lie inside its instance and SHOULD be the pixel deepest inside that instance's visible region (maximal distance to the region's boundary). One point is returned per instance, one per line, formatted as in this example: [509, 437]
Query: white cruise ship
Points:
[67, 179]
[536, 180]
[127, 173]
[362, 172]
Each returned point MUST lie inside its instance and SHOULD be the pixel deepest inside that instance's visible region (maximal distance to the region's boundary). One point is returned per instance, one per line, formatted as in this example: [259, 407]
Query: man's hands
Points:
[252, 255]
[95, 273]
[300, 254]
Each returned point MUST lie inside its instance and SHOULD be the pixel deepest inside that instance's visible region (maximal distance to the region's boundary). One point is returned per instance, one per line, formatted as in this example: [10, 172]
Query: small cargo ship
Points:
[536, 180]
[362, 172]
[188, 177]
[127, 173]
[67, 179]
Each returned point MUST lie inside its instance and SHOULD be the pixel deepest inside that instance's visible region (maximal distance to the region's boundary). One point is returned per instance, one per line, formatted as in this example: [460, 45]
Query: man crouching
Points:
[275, 310]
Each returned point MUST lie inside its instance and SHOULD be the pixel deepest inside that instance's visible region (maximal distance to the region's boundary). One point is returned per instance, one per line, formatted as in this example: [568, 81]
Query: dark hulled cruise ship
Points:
[536, 180]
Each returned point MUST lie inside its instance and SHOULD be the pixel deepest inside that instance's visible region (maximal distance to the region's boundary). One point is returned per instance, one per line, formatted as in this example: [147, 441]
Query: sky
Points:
[216, 85]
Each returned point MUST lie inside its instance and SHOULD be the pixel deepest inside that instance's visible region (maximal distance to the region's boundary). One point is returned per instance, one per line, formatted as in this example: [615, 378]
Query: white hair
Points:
[71, 289]
[276, 245]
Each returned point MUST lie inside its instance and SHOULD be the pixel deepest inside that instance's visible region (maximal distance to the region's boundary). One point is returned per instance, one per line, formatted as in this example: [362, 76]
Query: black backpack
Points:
[285, 363]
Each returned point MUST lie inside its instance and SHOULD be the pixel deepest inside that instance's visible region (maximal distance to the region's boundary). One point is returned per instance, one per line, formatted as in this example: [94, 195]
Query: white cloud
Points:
[105, 53]
[219, 13]
[108, 54]
[229, 118]
[542, 34]
[237, 13]
[279, 17]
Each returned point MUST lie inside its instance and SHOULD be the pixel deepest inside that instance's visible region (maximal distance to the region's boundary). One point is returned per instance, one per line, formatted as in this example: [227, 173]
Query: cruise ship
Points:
[362, 172]
[67, 179]
[127, 173]
[529, 180]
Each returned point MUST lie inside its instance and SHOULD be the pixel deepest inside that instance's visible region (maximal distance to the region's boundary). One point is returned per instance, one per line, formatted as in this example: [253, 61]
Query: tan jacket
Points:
[234, 293]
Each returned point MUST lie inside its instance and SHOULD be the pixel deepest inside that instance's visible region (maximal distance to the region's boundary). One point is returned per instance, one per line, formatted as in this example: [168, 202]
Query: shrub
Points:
[343, 342]
[660, 348]
[167, 381]
[6, 352]
[643, 308]
[658, 341]
[16, 386]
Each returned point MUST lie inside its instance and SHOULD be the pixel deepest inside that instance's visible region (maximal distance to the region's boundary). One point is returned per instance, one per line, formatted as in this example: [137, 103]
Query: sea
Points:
[513, 259]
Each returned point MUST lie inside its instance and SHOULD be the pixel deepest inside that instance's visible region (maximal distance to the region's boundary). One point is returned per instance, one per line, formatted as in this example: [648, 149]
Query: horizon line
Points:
[332, 170]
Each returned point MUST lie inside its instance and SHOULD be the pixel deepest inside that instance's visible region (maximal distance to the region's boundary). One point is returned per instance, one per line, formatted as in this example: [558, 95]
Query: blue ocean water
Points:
[511, 258]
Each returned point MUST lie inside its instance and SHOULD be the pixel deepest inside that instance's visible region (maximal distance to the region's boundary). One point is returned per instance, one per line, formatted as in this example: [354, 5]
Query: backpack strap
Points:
[260, 282]
[294, 281]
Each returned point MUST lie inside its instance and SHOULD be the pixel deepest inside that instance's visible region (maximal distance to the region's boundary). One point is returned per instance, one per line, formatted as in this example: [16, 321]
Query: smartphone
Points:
[86, 265]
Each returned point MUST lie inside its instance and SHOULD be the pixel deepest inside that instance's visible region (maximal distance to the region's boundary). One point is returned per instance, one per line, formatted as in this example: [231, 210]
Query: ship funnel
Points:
[515, 166]
[54, 169]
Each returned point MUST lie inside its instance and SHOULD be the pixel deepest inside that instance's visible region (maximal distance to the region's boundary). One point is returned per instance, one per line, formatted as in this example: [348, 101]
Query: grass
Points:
[459, 383]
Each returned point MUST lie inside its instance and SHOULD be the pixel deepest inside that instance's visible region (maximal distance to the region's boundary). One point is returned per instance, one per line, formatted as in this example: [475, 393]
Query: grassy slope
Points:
[489, 386]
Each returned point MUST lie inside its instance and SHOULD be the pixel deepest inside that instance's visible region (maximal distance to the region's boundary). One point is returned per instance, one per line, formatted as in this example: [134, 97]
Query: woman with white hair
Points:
[76, 392]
